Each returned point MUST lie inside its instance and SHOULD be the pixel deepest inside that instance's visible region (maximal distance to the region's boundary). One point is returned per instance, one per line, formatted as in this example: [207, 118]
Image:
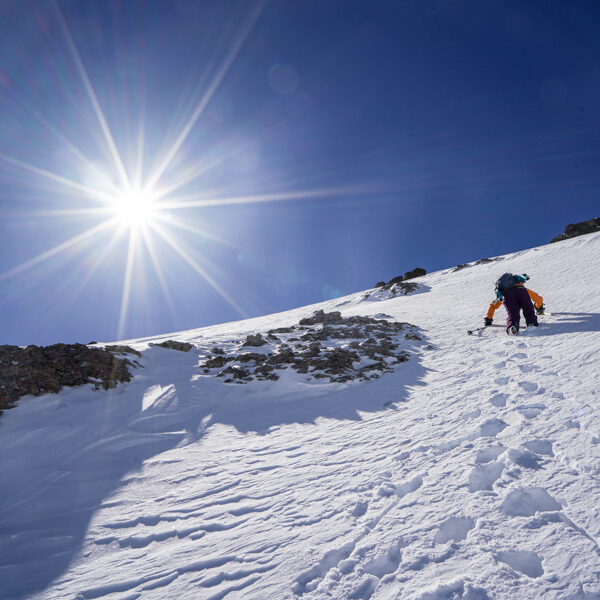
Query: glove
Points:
[487, 321]
[540, 310]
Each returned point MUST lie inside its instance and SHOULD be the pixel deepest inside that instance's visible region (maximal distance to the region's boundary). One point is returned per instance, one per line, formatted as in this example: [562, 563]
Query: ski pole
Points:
[472, 331]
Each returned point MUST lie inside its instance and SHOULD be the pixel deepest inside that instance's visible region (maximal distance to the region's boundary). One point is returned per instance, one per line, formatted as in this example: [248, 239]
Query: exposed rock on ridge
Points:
[416, 272]
[577, 229]
[40, 370]
[174, 345]
[322, 346]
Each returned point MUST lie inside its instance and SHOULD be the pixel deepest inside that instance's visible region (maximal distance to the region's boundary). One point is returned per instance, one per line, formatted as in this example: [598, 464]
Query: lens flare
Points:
[135, 207]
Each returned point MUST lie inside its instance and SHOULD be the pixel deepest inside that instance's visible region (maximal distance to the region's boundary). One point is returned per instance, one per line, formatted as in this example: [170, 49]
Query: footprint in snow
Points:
[528, 501]
[500, 365]
[483, 476]
[487, 455]
[501, 380]
[528, 386]
[540, 447]
[519, 355]
[472, 414]
[499, 400]
[527, 368]
[524, 458]
[379, 561]
[455, 529]
[523, 561]
[531, 411]
[360, 508]
[492, 427]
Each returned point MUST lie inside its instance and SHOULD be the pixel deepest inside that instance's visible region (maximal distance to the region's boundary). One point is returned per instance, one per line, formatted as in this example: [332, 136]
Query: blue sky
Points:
[165, 166]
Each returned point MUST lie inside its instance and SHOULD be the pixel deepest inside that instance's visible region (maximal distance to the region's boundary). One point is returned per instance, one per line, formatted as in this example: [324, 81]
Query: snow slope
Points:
[470, 472]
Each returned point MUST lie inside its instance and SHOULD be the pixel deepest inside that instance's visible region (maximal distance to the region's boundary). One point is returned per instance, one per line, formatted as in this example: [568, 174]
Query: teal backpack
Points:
[508, 280]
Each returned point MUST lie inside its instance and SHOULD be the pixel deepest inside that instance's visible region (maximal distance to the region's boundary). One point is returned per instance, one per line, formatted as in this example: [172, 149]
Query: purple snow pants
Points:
[515, 299]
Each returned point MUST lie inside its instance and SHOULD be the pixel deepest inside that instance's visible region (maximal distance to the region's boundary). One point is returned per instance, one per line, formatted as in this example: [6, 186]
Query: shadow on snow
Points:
[570, 323]
[64, 456]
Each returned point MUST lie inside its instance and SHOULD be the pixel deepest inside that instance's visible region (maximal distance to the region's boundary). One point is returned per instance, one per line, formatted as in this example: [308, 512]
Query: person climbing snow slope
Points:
[511, 290]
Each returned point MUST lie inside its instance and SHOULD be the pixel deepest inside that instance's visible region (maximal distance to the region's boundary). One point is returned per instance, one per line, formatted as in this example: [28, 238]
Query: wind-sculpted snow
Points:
[469, 472]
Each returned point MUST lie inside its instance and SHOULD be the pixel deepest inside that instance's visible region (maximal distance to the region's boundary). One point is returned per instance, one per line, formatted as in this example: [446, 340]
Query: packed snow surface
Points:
[471, 471]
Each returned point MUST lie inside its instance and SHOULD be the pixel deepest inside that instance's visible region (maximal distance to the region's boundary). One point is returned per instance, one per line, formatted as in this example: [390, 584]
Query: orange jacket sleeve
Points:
[536, 298]
[492, 309]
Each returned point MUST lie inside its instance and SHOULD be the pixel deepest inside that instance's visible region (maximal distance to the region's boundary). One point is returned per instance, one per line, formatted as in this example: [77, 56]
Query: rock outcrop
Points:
[481, 261]
[389, 290]
[40, 370]
[416, 272]
[323, 346]
[174, 345]
[577, 229]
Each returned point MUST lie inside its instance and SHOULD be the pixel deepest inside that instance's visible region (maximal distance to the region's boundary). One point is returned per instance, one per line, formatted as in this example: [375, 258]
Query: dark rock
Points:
[321, 316]
[404, 288]
[255, 340]
[217, 362]
[266, 372]
[400, 288]
[412, 336]
[314, 348]
[174, 345]
[360, 320]
[255, 356]
[366, 338]
[120, 349]
[380, 284]
[284, 356]
[282, 330]
[395, 280]
[460, 267]
[319, 335]
[217, 350]
[336, 361]
[577, 229]
[416, 272]
[40, 370]
[235, 372]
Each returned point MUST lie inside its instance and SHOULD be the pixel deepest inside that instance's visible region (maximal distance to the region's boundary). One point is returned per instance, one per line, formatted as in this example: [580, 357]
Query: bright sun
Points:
[135, 208]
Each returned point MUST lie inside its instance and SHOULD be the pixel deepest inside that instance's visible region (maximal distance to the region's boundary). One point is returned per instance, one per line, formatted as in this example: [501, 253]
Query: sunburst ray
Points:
[201, 200]
[224, 68]
[87, 84]
[76, 282]
[168, 219]
[159, 273]
[80, 187]
[190, 261]
[127, 282]
[57, 249]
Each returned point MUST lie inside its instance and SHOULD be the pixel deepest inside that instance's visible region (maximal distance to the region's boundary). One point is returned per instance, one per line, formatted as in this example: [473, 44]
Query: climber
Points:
[511, 290]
